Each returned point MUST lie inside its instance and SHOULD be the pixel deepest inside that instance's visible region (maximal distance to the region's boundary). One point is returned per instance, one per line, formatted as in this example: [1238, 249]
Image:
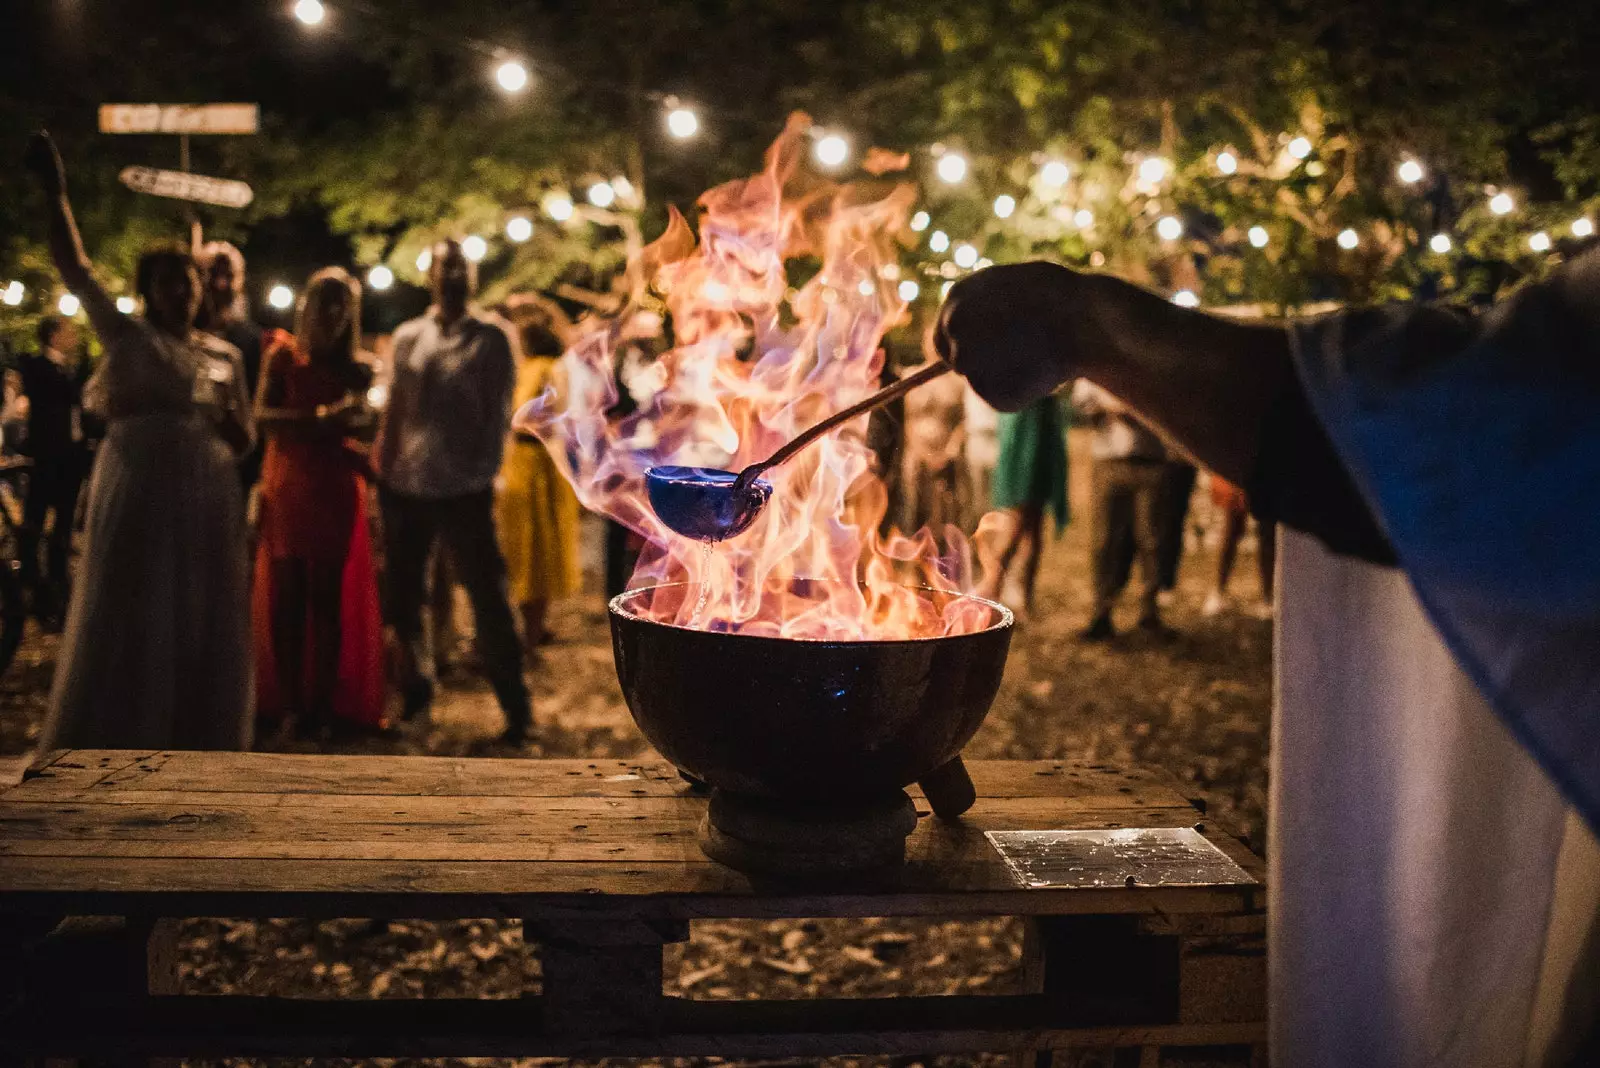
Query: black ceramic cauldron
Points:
[830, 723]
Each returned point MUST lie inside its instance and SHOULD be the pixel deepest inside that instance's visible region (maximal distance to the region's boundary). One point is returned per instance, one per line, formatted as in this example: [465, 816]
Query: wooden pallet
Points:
[600, 862]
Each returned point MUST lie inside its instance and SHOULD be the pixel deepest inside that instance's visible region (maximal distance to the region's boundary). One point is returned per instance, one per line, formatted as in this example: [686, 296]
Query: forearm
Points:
[66, 246]
[1207, 382]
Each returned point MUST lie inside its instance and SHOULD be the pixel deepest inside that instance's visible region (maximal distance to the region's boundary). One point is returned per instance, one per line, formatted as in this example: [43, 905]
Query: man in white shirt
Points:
[437, 454]
[1436, 744]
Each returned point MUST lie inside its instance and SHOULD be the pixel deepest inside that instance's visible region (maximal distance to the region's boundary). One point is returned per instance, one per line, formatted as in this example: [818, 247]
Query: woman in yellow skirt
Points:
[536, 510]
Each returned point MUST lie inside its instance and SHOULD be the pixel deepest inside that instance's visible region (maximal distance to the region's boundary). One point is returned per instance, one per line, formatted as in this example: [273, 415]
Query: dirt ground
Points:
[1197, 706]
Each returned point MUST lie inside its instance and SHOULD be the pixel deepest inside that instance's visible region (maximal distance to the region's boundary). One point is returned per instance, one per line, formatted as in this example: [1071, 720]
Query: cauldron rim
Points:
[1006, 620]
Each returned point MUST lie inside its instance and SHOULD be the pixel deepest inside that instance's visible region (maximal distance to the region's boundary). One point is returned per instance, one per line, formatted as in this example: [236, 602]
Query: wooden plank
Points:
[402, 889]
[71, 771]
[279, 1027]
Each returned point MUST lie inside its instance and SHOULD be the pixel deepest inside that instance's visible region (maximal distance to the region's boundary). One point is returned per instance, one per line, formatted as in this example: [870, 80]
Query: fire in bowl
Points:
[808, 745]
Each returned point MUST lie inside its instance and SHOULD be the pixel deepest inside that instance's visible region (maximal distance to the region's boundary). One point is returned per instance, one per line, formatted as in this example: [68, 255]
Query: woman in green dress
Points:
[1030, 478]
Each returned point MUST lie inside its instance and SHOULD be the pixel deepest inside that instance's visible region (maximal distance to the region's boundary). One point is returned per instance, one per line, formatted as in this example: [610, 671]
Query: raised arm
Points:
[66, 246]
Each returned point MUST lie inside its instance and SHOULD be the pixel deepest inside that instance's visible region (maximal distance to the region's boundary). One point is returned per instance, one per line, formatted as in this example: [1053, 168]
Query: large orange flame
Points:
[754, 362]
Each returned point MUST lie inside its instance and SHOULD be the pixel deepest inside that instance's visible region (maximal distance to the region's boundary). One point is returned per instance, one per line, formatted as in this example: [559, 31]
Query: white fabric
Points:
[1415, 844]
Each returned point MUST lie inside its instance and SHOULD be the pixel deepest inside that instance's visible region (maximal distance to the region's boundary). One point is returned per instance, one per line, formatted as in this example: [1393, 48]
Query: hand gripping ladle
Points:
[709, 504]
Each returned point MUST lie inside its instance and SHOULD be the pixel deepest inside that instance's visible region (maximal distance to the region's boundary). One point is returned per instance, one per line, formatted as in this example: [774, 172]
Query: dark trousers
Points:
[53, 486]
[1126, 507]
[411, 527]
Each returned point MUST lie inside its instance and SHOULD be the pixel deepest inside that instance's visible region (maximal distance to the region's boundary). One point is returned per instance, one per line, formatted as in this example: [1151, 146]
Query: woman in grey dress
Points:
[156, 652]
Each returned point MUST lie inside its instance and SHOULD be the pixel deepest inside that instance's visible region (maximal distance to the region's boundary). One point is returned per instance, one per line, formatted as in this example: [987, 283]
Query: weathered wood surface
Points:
[189, 833]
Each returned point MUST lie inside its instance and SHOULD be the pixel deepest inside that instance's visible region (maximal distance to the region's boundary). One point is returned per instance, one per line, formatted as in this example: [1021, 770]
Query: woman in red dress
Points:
[319, 652]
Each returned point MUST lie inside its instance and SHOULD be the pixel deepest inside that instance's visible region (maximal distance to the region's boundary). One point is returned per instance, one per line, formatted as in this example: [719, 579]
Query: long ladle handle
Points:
[877, 400]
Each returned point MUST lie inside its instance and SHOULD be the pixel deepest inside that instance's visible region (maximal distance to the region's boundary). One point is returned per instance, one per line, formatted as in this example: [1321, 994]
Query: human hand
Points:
[44, 163]
[1010, 331]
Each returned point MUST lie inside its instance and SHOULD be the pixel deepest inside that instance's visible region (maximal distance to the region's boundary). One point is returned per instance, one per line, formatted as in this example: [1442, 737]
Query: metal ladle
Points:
[710, 504]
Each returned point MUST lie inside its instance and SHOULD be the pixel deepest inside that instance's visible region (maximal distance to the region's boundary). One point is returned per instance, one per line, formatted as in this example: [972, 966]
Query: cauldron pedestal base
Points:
[767, 837]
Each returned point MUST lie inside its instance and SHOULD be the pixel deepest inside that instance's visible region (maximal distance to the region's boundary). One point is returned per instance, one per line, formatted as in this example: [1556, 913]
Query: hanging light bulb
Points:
[13, 294]
[1300, 147]
[1582, 227]
[126, 305]
[1169, 228]
[1054, 174]
[280, 297]
[1153, 170]
[938, 241]
[683, 123]
[920, 221]
[1186, 298]
[519, 228]
[1227, 162]
[952, 167]
[1502, 204]
[380, 278]
[425, 260]
[1539, 242]
[909, 290]
[965, 256]
[1259, 236]
[310, 12]
[1348, 239]
[1083, 218]
[474, 247]
[1441, 243]
[1410, 172]
[831, 150]
[512, 76]
[558, 206]
[1004, 206]
[68, 305]
[601, 195]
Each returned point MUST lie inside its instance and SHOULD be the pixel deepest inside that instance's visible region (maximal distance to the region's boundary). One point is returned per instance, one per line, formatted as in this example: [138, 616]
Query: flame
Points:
[753, 363]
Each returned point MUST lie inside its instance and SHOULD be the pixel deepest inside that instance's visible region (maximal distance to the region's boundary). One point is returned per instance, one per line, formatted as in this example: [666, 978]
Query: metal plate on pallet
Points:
[1140, 856]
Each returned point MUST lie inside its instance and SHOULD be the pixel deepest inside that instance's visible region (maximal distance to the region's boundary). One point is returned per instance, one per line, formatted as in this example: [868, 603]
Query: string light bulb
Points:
[1259, 236]
[519, 228]
[965, 256]
[126, 305]
[683, 123]
[425, 260]
[1441, 243]
[831, 150]
[1083, 218]
[601, 195]
[512, 76]
[909, 290]
[1227, 162]
[1300, 147]
[1054, 174]
[1004, 205]
[68, 305]
[952, 168]
[1539, 242]
[1152, 170]
[1583, 227]
[920, 221]
[14, 294]
[310, 12]
[1348, 239]
[1169, 228]
[1502, 204]
[1186, 298]
[280, 297]
[380, 278]
[558, 206]
[1410, 172]
[938, 241]
[474, 247]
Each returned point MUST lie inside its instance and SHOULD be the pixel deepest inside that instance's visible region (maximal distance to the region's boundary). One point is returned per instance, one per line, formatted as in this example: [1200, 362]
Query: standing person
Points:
[1436, 765]
[439, 448]
[315, 592]
[225, 313]
[1127, 484]
[1231, 501]
[157, 646]
[933, 480]
[1030, 479]
[536, 508]
[52, 380]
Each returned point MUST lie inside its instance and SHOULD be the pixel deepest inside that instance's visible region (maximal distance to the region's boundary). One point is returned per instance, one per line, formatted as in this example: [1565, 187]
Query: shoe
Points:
[1150, 624]
[1216, 604]
[417, 702]
[1099, 630]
